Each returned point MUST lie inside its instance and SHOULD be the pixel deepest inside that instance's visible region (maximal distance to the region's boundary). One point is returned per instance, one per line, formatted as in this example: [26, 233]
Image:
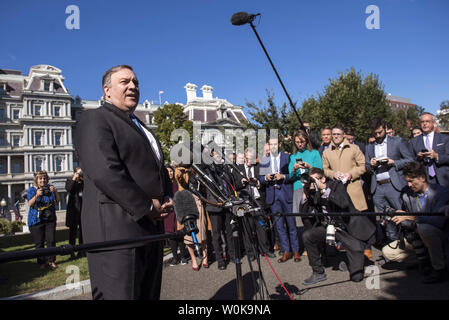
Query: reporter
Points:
[322, 196]
[420, 231]
[42, 199]
[74, 187]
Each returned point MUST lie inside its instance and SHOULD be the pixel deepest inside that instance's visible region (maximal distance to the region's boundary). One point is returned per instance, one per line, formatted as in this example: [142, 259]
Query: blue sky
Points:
[172, 42]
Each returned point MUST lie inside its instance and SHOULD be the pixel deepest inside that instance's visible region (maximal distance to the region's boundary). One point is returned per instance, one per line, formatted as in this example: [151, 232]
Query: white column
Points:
[8, 171]
[25, 164]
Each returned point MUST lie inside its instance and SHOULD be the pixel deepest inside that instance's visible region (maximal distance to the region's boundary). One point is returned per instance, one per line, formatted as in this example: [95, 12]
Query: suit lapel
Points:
[122, 115]
[435, 141]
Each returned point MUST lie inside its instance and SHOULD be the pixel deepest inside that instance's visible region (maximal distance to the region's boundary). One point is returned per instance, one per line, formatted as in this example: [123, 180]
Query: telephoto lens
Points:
[330, 235]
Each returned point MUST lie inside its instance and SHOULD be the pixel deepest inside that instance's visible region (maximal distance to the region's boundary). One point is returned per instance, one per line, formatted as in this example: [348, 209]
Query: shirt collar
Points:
[383, 142]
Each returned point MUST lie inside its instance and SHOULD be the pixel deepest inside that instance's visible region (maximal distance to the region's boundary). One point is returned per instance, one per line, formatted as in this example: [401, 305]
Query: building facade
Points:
[399, 103]
[35, 130]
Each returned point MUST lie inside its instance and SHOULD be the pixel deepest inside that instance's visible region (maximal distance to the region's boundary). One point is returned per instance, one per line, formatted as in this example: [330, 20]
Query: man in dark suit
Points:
[432, 148]
[326, 139]
[421, 196]
[350, 136]
[279, 195]
[324, 196]
[385, 159]
[258, 237]
[126, 192]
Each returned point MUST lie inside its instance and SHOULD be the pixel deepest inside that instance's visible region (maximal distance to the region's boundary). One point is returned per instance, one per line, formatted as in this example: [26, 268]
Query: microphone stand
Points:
[235, 229]
[277, 75]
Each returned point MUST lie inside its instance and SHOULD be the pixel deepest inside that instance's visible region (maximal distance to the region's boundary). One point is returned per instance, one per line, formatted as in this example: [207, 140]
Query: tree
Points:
[271, 116]
[168, 118]
[443, 115]
[350, 100]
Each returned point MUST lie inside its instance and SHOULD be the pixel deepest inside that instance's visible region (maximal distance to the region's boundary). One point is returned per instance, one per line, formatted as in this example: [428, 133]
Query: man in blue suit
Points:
[432, 148]
[385, 159]
[279, 195]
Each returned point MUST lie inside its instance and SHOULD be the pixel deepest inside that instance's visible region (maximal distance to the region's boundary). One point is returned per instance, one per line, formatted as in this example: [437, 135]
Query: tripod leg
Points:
[238, 261]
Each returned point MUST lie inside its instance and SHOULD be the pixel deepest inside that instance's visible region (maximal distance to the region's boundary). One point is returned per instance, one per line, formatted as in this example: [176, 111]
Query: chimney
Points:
[191, 91]
[207, 92]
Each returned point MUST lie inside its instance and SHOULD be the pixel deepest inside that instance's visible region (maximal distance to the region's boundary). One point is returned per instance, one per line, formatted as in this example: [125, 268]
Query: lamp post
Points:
[3, 205]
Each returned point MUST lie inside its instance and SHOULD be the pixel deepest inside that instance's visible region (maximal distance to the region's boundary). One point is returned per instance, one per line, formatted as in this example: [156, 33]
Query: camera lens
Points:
[330, 235]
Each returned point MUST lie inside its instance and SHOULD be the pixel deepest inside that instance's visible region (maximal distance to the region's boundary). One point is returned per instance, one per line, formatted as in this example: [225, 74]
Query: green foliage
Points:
[443, 116]
[271, 116]
[405, 119]
[168, 118]
[7, 227]
[350, 100]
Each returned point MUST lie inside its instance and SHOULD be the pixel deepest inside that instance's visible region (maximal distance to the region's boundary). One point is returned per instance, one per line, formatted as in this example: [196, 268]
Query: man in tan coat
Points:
[346, 162]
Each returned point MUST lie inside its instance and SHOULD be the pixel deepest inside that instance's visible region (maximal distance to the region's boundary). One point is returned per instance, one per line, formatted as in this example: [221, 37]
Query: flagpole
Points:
[160, 92]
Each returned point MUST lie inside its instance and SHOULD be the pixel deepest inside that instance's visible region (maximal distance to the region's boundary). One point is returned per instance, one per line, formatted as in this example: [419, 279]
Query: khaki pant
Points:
[392, 252]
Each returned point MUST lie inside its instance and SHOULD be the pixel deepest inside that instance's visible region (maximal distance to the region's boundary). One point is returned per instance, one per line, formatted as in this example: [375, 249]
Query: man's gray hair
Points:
[107, 76]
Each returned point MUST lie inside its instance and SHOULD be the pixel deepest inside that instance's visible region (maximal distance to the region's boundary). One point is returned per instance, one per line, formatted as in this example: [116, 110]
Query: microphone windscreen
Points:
[240, 18]
[184, 205]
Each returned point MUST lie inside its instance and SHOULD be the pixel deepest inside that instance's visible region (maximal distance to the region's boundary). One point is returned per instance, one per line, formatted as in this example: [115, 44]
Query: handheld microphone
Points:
[241, 18]
[187, 213]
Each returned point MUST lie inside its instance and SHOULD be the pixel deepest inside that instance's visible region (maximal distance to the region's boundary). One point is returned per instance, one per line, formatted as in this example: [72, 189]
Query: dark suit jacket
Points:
[74, 203]
[321, 149]
[360, 227]
[441, 146]
[261, 188]
[286, 185]
[399, 151]
[121, 176]
[438, 197]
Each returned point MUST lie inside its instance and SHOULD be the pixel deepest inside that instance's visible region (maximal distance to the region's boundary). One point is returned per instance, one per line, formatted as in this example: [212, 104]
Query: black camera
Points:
[306, 178]
[46, 191]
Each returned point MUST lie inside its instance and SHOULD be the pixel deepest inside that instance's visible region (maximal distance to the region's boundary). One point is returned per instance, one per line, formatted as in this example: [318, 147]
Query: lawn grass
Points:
[20, 277]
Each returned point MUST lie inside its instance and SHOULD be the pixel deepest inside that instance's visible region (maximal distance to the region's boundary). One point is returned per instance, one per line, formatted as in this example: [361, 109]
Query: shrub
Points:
[7, 227]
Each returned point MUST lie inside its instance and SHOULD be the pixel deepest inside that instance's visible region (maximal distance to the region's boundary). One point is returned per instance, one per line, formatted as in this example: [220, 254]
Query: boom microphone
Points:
[187, 213]
[241, 18]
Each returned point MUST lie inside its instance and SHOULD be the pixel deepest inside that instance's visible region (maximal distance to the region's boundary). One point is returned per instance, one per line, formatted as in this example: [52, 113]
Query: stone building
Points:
[35, 130]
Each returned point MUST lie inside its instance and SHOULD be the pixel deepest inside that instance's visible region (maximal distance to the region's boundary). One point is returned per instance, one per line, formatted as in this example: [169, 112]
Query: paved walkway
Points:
[182, 283]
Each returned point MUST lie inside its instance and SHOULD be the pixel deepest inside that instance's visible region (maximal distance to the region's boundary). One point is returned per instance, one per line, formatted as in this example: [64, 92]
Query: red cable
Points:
[278, 278]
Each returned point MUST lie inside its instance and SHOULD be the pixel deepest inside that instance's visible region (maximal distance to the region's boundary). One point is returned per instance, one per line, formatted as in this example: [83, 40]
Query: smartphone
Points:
[424, 150]
[298, 160]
